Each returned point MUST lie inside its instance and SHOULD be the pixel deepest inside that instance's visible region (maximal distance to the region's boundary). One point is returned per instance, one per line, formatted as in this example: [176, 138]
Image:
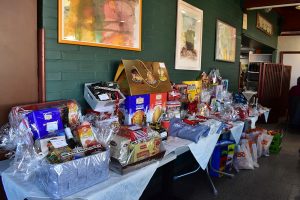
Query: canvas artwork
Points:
[104, 23]
[189, 37]
[225, 42]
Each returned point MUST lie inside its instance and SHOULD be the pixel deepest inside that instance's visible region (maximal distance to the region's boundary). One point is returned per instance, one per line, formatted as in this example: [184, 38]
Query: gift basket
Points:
[57, 149]
[134, 147]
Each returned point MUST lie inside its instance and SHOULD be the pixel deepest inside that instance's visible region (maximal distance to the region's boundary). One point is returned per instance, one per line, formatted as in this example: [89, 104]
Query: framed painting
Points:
[103, 23]
[264, 25]
[188, 37]
[225, 42]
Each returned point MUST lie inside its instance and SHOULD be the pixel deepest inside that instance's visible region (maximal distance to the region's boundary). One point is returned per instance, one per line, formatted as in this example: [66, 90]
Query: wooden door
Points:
[18, 54]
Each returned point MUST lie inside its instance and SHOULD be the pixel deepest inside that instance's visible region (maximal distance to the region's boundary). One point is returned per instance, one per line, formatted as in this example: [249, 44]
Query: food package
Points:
[193, 90]
[173, 109]
[178, 93]
[157, 107]
[119, 147]
[144, 149]
[133, 144]
[43, 122]
[85, 135]
[134, 109]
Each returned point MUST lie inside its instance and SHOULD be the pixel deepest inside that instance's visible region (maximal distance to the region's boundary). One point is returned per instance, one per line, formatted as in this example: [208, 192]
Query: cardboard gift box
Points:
[134, 109]
[194, 89]
[138, 77]
[157, 107]
[101, 106]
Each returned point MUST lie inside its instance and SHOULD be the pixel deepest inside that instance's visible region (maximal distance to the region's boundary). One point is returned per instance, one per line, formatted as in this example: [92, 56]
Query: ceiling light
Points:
[298, 7]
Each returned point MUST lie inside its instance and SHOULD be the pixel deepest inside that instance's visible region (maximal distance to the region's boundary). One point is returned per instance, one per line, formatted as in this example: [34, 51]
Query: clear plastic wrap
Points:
[74, 169]
[243, 157]
[7, 144]
[61, 180]
[135, 144]
[105, 125]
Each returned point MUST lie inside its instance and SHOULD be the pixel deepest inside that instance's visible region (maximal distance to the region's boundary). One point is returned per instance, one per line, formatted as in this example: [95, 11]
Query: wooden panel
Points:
[259, 3]
[273, 88]
[18, 54]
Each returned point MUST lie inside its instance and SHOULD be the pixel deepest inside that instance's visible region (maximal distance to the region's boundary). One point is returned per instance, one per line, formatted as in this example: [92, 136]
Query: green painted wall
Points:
[257, 34]
[68, 67]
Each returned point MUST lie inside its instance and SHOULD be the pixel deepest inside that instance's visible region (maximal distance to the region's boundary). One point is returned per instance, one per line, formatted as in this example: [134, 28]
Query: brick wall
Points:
[68, 67]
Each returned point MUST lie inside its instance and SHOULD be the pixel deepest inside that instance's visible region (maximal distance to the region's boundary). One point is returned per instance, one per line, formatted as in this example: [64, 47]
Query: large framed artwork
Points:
[225, 42]
[189, 37]
[103, 23]
[264, 25]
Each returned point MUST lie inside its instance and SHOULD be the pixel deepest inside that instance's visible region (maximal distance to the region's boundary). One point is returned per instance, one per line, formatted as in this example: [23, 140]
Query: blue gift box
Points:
[135, 108]
[43, 122]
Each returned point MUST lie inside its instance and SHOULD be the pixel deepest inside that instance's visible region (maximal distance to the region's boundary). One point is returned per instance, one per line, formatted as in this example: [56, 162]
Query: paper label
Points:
[58, 143]
[52, 126]
[162, 65]
[48, 116]
[103, 97]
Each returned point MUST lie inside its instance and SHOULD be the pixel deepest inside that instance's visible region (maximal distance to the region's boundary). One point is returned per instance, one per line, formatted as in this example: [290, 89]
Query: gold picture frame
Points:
[264, 25]
[101, 23]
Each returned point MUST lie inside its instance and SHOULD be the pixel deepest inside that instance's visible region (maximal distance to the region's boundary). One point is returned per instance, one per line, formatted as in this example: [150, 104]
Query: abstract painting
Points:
[225, 42]
[103, 23]
[189, 37]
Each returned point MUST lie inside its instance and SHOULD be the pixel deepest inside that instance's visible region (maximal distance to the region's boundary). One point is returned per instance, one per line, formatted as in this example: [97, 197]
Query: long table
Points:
[129, 186]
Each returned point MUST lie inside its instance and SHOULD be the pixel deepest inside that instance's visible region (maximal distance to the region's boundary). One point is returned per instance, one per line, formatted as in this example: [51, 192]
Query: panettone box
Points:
[158, 103]
[134, 109]
[138, 77]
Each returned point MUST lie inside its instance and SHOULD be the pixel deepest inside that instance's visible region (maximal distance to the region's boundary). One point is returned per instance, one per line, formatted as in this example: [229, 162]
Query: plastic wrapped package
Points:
[243, 157]
[133, 145]
[105, 126]
[7, 144]
[267, 140]
[242, 111]
[61, 180]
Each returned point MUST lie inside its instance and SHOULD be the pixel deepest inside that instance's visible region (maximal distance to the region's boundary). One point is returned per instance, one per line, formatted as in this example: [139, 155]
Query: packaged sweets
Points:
[119, 148]
[134, 109]
[45, 121]
[193, 89]
[173, 109]
[157, 107]
[85, 135]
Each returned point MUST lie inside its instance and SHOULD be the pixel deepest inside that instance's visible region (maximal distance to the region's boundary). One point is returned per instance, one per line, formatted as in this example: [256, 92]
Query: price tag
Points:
[52, 126]
[103, 97]
[58, 143]
[162, 65]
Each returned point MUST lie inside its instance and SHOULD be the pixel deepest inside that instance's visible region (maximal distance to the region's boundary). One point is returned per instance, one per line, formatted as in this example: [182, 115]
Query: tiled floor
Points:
[277, 178]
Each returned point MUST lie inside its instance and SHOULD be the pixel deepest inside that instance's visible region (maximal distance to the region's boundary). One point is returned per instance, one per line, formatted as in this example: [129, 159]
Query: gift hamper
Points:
[134, 147]
[57, 149]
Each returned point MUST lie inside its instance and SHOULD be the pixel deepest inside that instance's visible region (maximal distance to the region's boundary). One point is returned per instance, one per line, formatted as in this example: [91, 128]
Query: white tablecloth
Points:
[236, 131]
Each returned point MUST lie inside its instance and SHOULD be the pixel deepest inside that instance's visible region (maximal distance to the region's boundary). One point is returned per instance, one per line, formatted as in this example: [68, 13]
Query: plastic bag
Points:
[267, 140]
[243, 158]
